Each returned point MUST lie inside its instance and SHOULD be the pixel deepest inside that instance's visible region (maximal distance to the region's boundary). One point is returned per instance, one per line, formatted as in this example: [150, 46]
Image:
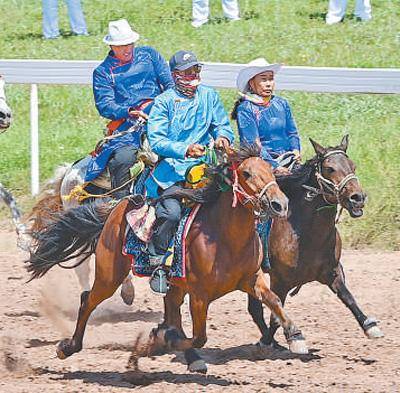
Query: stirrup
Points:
[158, 281]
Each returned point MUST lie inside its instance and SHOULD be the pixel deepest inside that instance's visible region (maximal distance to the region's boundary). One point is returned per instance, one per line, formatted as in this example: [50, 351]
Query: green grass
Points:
[291, 31]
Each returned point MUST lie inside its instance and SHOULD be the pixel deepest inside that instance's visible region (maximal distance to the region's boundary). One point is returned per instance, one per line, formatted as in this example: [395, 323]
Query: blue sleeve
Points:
[157, 132]
[163, 72]
[104, 97]
[291, 129]
[220, 122]
[248, 132]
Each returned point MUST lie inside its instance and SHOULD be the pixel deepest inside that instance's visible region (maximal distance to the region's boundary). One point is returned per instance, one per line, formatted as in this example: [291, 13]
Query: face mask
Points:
[187, 84]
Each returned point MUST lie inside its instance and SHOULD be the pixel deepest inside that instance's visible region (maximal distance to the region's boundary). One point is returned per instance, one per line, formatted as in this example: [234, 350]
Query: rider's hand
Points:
[281, 171]
[297, 155]
[222, 143]
[195, 150]
[138, 114]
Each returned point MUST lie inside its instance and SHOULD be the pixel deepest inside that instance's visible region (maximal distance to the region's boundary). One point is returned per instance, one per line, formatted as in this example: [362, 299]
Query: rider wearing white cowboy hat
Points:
[263, 117]
[124, 86]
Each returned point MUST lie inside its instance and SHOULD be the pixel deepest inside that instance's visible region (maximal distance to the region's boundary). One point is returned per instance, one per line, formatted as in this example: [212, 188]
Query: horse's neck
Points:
[312, 218]
[2, 93]
[235, 224]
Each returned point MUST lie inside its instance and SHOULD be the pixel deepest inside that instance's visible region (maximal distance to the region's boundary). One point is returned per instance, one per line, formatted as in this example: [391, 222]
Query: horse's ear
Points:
[320, 150]
[344, 143]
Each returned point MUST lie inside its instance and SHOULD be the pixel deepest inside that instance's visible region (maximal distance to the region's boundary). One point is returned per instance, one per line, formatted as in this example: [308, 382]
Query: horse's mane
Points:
[214, 173]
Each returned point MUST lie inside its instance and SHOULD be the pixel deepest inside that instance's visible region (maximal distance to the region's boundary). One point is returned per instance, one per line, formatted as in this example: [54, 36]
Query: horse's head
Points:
[255, 183]
[5, 111]
[336, 177]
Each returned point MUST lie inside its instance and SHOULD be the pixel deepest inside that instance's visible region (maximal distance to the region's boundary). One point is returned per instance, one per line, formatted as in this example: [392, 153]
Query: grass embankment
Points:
[291, 31]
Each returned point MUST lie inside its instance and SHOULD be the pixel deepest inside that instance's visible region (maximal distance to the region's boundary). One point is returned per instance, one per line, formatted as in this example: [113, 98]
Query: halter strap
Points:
[324, 183]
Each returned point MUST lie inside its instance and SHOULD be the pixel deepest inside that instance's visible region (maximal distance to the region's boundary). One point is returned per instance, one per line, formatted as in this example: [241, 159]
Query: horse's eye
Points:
[329, 169]
[246, 175]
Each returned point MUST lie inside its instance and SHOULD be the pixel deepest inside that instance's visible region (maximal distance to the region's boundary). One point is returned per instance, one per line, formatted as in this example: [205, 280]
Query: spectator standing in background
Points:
[201, 11]
[50, 18]
[337, 10]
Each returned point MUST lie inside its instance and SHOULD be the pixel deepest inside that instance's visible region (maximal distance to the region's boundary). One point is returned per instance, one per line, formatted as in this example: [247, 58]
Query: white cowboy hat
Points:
[120, 33]
[252, 69]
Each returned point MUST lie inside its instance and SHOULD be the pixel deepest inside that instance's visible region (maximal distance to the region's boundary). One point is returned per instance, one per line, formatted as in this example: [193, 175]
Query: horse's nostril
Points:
[356, 197]
[276, 206]
[2, 115]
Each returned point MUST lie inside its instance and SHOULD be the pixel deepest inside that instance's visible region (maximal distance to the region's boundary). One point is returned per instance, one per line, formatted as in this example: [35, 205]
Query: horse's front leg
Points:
[174, 339]
[258, 288]
[338, 286]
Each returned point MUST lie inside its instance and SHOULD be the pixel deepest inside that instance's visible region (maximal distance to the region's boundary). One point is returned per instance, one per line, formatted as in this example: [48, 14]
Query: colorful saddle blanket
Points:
[137, 249]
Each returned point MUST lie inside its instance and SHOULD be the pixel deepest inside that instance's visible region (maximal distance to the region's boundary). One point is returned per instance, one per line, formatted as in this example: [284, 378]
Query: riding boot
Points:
[119, 165]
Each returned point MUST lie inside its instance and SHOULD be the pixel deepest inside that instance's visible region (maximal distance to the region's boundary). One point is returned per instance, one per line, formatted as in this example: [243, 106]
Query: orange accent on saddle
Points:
[113, 125]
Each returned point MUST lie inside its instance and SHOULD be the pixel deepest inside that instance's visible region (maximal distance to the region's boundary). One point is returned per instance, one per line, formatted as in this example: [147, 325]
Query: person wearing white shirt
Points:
[201, 11]
[337, 10]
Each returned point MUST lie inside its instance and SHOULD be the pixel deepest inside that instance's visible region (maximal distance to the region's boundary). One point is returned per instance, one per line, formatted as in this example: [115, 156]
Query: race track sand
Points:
[35, 316]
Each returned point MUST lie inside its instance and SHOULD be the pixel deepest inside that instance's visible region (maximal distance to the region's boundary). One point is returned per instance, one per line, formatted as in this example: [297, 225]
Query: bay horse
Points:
[223, 253]
[307, 246]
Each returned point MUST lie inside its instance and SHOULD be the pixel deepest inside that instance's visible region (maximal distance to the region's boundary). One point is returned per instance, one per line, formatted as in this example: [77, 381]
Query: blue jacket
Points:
[118, 87]
[176, 122]
[273, 126]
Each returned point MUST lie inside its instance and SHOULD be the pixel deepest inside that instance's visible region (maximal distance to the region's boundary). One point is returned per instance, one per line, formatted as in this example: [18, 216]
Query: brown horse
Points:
[223, 253]
[307, 246]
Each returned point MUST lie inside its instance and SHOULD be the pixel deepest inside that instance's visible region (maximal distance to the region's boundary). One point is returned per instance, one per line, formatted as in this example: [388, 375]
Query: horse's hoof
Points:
[198, 366]
[60, 354]
[128, 292]
[65, 349]
[374, 332]
[298, 346]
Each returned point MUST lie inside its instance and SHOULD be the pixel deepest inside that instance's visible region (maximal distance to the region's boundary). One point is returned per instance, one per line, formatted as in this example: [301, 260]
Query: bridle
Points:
[327, 187]
[242, 196]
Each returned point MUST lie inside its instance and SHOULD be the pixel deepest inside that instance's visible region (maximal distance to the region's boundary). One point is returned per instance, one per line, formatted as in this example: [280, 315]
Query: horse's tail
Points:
[49, 202]
[69, 235]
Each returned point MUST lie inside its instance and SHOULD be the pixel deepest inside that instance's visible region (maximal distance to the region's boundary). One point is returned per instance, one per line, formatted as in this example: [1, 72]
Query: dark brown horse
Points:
[223, 254]
[307, 246]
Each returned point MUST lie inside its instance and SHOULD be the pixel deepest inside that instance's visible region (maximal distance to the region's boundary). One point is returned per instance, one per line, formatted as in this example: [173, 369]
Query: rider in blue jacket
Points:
[124, 86]
[263, 117]
[183, 121]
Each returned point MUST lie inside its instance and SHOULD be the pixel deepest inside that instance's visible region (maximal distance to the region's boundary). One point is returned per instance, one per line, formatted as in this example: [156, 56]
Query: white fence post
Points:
[34, 140]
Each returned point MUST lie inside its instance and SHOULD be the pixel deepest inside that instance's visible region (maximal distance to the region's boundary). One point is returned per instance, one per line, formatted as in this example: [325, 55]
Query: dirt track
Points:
[35, 316]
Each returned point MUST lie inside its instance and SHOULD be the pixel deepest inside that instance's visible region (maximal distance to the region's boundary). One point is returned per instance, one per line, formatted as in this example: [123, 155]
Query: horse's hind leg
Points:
[107, 280]
[338, 286]
[258, 288]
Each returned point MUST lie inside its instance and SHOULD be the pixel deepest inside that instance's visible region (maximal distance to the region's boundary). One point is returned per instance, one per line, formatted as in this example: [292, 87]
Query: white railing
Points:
[219, 75]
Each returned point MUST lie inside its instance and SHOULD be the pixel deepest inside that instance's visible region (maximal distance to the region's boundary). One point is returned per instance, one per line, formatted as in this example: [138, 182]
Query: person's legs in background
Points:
[76, 18]
[336, 11]
[363, 10]
[119, 165]
[201, 11]
[231, 9]
[50, 19]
